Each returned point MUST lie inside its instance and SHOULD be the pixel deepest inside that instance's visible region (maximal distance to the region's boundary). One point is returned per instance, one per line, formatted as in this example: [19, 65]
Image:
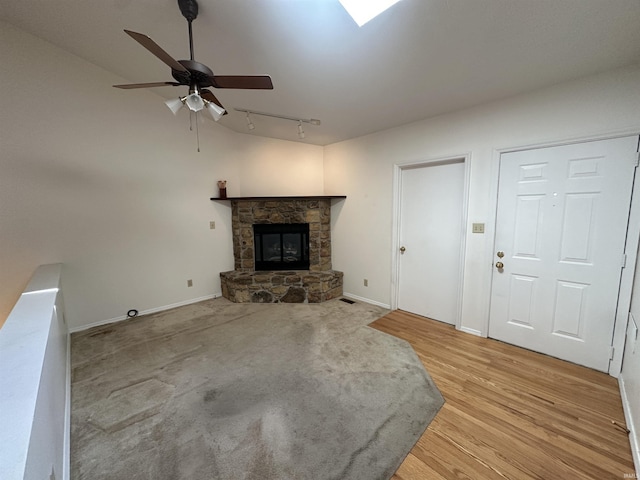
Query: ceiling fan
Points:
[195, 75]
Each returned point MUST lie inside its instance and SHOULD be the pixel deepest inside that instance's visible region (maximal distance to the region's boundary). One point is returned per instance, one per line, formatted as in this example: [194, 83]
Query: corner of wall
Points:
[634, 439]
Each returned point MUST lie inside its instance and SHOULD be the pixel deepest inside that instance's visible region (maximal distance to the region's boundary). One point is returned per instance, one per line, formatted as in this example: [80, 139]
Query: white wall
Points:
[109, 183]
[274, 167]
[362, 169]
[35, 385]
[630, 375]
[598, 106]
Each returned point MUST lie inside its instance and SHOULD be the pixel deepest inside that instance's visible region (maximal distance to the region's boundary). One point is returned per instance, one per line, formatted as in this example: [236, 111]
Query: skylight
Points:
[364, 10]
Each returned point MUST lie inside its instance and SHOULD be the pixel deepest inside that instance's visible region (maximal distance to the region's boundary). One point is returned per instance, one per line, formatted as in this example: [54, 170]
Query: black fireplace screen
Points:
[282, 246]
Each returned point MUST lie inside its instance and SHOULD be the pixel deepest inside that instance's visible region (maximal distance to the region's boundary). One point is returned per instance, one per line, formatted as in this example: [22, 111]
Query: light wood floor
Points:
[511, 413]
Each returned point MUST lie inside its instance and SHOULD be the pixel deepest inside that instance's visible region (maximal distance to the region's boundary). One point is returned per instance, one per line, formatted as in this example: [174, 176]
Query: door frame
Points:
[398, 169]
[632, 242]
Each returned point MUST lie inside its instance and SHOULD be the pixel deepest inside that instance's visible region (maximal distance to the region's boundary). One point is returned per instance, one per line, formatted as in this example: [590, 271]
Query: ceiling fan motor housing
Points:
[189, 9]
[198, 73]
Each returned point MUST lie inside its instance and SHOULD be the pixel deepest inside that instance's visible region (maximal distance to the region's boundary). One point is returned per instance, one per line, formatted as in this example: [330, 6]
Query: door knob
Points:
[499, 265]
[402, 249]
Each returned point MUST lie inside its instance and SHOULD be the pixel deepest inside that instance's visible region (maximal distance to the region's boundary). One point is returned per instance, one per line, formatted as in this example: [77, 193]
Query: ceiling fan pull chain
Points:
[197, 133]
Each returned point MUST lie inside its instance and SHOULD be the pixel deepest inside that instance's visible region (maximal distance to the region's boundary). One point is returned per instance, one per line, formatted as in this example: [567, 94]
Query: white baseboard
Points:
[366, 300]
[472, 331]
[100, 323]
[66, 449]
[633, 431]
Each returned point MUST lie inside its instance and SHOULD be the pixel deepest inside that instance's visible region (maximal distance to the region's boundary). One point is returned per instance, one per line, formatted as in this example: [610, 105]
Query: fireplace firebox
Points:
[281, 246]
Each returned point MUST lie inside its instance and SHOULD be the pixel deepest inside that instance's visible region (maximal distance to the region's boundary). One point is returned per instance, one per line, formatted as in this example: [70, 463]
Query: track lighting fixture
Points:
[300, 121]
[250, 124]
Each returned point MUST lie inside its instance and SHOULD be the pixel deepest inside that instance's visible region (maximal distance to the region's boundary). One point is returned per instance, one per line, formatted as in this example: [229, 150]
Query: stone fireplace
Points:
[255, 217]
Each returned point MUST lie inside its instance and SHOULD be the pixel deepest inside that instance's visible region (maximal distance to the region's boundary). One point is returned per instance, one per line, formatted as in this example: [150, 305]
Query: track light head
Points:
[300, 129]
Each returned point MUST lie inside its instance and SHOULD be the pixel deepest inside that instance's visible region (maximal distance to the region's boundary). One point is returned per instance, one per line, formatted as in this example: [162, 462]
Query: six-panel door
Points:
[561, 223]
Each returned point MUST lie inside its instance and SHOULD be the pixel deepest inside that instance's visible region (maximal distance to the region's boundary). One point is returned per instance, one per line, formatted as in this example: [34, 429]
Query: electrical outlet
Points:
[212, 225]
[478, 228]
[189, 283]
[366, 282]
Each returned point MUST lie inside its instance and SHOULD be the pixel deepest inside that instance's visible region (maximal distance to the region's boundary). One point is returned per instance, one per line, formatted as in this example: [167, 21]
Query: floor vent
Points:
[346, 300]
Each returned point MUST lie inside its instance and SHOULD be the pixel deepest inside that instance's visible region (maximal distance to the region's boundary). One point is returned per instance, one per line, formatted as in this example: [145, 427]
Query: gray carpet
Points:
[218, 390]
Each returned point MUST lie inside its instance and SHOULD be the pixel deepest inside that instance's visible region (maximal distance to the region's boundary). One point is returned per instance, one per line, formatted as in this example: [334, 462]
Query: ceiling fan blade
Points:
[242, 81]
[207, 95]
[147, 85]
[154, 48]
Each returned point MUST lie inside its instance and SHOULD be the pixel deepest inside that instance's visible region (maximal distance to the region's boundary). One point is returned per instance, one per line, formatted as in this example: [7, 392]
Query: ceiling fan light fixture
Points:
[175, 104]
[214, 110]
[194, 102]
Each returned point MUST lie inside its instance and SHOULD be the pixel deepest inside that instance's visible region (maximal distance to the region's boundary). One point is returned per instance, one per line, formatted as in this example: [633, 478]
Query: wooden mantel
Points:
[292, 197]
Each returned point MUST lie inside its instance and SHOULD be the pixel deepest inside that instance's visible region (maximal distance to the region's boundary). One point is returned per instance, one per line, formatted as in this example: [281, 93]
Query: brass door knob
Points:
[499, 265]
[402, 249]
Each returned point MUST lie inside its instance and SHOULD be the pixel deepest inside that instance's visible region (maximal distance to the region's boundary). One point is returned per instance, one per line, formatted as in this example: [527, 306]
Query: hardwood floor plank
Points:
[510, 413]
[413, 468]
[452, 459]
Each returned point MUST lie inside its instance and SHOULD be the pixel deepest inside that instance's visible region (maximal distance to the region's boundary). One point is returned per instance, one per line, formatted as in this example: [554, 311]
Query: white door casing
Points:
[561, 222]
[431, 221]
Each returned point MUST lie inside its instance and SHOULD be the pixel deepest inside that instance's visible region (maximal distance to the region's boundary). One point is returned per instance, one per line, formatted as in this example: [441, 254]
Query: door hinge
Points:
[624, 260]
[612, 353]
[637, 159]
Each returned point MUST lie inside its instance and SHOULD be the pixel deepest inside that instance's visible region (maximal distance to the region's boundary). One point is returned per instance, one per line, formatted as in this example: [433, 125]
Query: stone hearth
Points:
[296, 286]
[318, 284]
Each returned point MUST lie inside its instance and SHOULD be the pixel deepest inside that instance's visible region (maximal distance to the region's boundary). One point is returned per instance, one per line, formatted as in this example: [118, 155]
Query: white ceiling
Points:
[419, 59]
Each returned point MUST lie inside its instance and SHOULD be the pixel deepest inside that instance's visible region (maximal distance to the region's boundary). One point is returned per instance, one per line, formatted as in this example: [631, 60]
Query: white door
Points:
[561, 224]
[431, 209]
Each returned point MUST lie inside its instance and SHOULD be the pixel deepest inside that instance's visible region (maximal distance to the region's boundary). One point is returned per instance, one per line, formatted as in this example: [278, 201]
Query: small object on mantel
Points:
[222, 185]
[285, 197]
